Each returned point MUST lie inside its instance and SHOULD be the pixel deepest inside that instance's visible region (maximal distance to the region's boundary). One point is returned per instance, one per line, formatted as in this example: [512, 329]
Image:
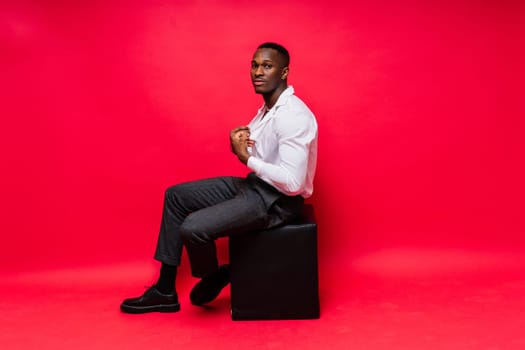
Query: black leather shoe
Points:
[210, 286]
[152, 300]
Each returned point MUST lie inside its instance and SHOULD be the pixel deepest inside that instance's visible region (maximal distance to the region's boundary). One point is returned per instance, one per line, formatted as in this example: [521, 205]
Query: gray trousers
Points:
[196, 213]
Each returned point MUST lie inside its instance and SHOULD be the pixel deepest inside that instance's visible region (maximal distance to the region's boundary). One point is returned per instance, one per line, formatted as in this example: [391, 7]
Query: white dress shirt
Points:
[285, 150]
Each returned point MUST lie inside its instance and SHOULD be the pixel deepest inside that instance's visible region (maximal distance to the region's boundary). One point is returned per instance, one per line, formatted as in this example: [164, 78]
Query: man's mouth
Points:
[258, 82]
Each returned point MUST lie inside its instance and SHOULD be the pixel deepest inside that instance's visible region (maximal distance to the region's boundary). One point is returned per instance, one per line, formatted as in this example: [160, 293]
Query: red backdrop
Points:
[106, 103]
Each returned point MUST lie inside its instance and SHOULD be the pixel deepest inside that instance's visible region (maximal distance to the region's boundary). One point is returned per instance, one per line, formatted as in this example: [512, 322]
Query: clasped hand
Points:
[240, 141]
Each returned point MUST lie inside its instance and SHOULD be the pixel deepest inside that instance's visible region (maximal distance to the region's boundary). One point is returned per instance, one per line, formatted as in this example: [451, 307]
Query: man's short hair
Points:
[282, 51]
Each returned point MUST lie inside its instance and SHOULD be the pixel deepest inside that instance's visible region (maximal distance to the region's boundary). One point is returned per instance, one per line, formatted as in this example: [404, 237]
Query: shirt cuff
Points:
[255, 164]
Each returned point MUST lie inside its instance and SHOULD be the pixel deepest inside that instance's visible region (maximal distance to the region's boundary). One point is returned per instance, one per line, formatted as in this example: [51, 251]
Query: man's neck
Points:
[271, 98]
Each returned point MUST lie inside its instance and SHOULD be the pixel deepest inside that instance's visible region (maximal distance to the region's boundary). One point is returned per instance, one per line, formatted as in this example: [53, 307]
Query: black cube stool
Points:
[274, 272]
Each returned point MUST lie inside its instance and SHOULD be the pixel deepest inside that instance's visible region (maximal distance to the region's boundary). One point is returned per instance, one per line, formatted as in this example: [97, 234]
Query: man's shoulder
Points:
[295, 116]
[294, 105]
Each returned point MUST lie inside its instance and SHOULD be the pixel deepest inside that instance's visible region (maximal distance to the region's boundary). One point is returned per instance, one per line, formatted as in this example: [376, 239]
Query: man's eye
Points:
[267, 66]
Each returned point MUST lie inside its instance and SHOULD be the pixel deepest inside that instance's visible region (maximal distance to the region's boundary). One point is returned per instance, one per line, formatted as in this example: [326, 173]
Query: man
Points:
[280, 147]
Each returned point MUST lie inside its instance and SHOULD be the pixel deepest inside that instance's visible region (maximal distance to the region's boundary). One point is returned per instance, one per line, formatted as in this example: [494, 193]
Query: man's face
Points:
[267, 71]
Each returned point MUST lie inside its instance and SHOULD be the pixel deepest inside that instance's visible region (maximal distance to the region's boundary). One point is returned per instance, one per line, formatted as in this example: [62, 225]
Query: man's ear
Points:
[284, 73]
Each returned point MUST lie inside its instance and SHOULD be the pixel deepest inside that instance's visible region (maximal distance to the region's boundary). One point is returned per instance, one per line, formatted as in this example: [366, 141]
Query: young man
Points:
[280, 147]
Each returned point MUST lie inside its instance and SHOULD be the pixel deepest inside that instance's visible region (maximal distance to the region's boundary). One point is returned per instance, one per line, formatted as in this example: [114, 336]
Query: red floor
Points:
[391, 299]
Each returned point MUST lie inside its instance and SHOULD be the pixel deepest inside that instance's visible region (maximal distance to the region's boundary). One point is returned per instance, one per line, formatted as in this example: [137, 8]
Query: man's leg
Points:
[243, 213]
[180, 200]
[184, 199]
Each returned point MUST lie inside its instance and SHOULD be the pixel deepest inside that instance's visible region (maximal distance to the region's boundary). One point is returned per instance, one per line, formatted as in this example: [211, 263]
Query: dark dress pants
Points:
[196, 213]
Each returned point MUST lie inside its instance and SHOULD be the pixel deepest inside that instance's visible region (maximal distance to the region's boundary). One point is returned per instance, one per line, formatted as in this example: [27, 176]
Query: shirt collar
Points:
[283, 97]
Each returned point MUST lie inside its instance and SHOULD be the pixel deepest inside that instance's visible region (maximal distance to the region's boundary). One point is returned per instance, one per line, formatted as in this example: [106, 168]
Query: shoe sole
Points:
[224, 269]
[153, 308]
[194, 301]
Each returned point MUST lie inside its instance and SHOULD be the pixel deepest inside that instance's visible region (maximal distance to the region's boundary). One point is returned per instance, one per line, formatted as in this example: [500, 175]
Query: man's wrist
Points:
[254, 164]
[244, 158]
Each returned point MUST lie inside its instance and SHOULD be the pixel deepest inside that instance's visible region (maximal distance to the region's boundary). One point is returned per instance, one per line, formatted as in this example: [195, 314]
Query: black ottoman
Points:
[274, 272]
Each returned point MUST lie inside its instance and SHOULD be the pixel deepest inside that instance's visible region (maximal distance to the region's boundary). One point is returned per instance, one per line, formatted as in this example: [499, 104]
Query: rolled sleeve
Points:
[255, 164]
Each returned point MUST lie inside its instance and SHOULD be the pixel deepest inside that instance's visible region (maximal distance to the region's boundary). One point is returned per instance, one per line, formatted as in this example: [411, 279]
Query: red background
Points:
[419, 191]
[106, 103]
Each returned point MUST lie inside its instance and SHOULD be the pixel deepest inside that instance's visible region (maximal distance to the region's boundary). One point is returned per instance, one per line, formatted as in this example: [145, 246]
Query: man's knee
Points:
[175, 197]
[171, 192]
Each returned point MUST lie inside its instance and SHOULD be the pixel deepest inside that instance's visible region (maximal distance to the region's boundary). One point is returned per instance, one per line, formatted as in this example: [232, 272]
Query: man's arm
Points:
[295, 138]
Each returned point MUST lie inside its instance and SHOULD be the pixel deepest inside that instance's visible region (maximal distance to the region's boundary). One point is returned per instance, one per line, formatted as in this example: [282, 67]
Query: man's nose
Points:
[259, 71]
